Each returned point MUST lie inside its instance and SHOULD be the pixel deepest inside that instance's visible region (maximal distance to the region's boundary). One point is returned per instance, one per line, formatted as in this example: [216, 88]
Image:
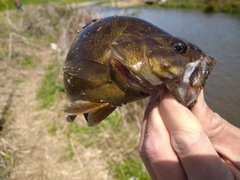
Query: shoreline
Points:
[226, 6]
[211, 7]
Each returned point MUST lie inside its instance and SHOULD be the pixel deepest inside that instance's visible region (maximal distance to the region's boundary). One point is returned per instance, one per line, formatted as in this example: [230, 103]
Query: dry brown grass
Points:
[38, 143]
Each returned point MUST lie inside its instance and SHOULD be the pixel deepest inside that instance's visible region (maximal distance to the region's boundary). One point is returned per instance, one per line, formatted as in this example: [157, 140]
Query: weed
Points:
[5, 160]
[91, 136]
[131, 168]
[68, 154]
[53, 128]
[10, 4]
[51, 86]
[227, 6]
[28, 62]
[86, 136]
[113, 120]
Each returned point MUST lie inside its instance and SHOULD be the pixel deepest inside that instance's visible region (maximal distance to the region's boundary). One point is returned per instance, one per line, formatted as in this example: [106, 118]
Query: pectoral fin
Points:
[95, 117]
[93, 112]
[82, 107]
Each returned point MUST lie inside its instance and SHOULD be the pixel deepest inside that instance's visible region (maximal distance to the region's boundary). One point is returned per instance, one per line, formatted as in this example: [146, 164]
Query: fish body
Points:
[120, 59]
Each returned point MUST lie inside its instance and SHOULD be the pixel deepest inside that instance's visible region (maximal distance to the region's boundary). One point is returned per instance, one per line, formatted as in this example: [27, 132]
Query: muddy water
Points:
[218, 35]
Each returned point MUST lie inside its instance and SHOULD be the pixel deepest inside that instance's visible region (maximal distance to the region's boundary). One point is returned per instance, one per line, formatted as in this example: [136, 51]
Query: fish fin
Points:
[81, 107]
[71, 118]
[88, 70]
[95, 117]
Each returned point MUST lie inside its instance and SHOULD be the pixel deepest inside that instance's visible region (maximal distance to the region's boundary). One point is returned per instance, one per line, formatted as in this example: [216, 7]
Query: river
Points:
[218, 35]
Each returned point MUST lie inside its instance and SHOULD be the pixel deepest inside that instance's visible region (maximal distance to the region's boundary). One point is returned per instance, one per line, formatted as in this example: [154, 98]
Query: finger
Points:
[156, 150]
[224, 136]
[198, 156]
[211, 125]
[143, 154]
[141, 150]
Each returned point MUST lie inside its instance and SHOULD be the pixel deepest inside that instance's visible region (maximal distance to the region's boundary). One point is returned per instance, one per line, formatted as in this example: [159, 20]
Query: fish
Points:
[120, 59]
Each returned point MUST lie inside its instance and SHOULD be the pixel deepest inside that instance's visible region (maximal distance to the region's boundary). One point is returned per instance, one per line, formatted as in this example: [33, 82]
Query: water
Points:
[216, 34]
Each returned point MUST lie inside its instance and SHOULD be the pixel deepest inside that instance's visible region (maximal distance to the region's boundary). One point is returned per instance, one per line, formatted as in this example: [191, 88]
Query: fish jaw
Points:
[194, 79]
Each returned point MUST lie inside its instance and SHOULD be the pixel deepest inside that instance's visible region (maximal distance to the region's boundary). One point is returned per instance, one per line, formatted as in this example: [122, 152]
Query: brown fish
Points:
[120, 59]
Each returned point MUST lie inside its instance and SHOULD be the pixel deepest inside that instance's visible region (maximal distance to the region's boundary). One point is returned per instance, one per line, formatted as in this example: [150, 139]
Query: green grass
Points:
[87, 136]
[4, 173]
[9, 4]
[227, 6]
[51, 86]
[131, 168]
[53, 127]
[84, 135]
[28, 62]
[93, 135]
[68, 154]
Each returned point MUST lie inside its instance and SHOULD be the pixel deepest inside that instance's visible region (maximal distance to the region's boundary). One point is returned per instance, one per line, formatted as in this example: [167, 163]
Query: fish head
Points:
[197, 68]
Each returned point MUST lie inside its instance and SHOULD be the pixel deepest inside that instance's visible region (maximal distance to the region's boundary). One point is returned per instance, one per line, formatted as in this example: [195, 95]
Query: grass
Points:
[89, 136]
[51, 86]
[68, 154]
[121, 140]
[8, 4]
[227, 6]
[28, 62]
[131, 167]
[6, 159]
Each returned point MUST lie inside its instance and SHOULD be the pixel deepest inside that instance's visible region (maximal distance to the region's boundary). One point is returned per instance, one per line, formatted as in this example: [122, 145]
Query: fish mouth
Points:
[199, 76]
[194, 79]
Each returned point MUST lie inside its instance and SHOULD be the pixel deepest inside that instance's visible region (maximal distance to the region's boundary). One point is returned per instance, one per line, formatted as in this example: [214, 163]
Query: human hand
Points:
[178, 143]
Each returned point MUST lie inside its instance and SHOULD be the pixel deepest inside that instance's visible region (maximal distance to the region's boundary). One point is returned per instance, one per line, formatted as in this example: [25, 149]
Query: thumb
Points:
[212, 123]
[223, 135]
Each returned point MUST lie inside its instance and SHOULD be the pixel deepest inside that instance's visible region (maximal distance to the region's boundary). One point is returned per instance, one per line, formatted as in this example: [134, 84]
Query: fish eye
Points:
[179, 46]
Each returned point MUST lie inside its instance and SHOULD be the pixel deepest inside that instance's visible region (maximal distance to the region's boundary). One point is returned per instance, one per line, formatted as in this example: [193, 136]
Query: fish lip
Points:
[208, 64]
[194, 79]
[200, 75]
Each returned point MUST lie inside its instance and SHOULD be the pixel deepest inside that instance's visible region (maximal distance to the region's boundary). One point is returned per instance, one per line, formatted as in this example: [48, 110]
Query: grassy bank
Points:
[226, 6]
[9, 4]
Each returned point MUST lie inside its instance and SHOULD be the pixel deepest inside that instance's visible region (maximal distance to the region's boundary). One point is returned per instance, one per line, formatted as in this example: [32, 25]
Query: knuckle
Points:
[142, 153]
[185, 143]
[150, 149]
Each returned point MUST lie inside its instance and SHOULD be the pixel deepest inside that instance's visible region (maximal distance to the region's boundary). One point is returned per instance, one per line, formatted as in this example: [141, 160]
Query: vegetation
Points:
[4, 5]
[28, 62]
[130, 168]
[227, 6]
[51, 86]
[111, 131]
